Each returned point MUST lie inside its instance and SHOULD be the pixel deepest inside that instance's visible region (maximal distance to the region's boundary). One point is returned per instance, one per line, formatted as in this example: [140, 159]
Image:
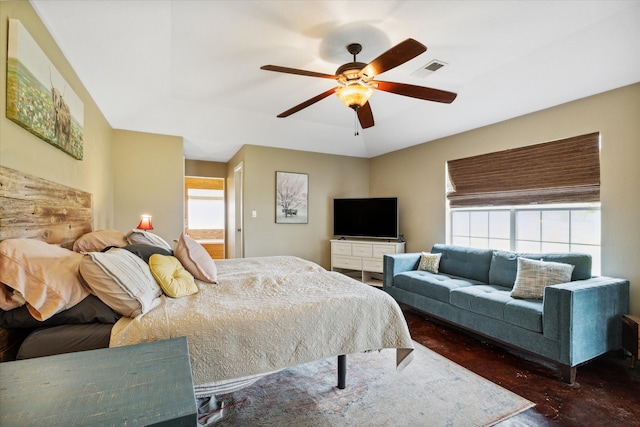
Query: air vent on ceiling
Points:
[429, 68]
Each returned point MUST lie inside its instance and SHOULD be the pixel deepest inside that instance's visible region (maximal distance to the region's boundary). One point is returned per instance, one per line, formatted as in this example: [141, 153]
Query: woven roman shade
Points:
[562, 171]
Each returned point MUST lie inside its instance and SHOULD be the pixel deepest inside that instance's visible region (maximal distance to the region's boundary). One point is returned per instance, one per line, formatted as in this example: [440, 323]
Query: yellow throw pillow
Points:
[172, 277]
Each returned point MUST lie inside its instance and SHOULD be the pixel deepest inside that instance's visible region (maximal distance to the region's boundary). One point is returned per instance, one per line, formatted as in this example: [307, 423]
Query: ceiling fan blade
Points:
[365, 116]
[397, 55]
[420, 92]
[307, 103]
[288, 70]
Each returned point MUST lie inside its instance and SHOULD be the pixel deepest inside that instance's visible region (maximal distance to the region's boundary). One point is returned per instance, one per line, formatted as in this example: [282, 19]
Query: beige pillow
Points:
[174, 280]
[196, 259]
[121, 280]
[429, 262]
[533, 276]
[96, 241]
[45, 275]
[135, 237]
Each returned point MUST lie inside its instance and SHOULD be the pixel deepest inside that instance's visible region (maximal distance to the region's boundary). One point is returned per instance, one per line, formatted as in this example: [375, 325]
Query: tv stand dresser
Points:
[362, 259]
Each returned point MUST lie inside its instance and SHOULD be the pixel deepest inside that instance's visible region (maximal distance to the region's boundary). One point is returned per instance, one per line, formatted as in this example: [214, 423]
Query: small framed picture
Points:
[292, 198]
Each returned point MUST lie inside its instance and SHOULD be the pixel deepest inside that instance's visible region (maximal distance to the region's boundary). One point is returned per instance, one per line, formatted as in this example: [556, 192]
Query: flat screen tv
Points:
[366, 217]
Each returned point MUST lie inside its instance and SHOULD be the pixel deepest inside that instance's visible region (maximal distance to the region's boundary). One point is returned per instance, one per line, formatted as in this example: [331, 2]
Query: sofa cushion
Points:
[488, 300]
[496, 302]
[504, 265]
[525, 313]
[431, 285]
[464, 262]
[581, 263]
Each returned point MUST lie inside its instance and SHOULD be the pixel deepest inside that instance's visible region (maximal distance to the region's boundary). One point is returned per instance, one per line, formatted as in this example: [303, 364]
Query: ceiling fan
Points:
[356, 81]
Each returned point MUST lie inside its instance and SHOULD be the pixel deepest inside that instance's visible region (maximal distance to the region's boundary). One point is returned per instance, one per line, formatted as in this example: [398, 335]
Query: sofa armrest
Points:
[397, 263]
[584, 316]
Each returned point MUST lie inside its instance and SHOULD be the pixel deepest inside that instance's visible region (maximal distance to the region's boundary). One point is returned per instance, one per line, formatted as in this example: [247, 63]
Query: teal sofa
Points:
[573, 323]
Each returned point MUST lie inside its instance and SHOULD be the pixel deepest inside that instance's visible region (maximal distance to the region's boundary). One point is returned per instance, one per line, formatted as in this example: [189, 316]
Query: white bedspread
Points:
[270, 313]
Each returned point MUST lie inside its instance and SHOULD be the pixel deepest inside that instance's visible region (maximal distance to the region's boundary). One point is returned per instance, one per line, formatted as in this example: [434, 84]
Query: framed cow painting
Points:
[38, 98]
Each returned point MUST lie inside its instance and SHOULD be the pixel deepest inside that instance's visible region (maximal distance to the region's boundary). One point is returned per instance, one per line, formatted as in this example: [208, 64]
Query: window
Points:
[205, 210]
[570, 228]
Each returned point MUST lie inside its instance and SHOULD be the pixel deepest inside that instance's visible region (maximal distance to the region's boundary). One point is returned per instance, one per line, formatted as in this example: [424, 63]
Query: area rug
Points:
[430, 391]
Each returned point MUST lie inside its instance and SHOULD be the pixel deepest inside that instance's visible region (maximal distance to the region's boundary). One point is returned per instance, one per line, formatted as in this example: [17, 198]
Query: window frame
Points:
[453, 238]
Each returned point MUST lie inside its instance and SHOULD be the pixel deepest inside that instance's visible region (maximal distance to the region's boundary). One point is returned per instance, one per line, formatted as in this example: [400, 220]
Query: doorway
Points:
[205, 213]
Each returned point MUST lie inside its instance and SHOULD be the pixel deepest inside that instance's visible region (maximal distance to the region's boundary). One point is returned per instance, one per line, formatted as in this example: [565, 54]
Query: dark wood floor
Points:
[606, 391]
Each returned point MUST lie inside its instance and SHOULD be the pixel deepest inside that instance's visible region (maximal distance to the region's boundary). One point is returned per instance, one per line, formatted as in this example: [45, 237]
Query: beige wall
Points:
[148, 179]
[204, 168]
[329, 177]
[25, 152]
[417, 174]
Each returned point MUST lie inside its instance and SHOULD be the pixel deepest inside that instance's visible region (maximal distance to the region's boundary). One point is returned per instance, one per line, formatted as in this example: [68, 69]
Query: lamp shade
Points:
[354, 95]
[145, 223]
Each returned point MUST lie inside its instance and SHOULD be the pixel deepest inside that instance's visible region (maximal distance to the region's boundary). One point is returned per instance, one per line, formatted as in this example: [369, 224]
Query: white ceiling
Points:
[192, 68]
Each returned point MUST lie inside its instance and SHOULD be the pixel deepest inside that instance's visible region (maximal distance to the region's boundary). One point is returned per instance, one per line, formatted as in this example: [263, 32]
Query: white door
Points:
[239, 223]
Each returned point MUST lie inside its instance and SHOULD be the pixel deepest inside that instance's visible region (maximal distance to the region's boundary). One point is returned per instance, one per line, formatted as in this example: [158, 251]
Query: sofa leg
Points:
[568, 373]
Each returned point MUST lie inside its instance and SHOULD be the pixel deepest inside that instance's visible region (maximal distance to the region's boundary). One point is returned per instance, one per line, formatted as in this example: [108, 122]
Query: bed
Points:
[256, 316]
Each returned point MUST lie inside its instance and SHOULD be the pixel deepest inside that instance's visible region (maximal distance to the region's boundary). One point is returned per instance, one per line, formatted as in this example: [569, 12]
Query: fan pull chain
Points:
[355, 122]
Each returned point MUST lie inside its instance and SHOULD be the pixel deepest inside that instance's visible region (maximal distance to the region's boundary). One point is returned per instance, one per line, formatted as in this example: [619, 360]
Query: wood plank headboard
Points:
[36, 208]
[32, 207]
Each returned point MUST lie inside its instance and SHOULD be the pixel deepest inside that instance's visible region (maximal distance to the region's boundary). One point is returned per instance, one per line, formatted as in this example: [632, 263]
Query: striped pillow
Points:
[533, 276]
[121, 280]
[135, 237]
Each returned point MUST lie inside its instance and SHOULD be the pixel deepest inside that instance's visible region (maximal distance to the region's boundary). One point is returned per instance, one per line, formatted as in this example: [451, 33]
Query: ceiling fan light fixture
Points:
[354, 95]
[355, 81]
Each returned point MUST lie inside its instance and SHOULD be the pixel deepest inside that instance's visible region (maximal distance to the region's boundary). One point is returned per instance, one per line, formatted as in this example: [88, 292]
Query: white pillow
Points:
[121, 280]
[195, 259]
[146, 238]
[429, 262]
[533, 276]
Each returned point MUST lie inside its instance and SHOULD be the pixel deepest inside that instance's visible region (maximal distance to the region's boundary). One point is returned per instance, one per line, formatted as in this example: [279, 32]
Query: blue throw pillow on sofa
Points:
[465, 262]
[504, 267]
